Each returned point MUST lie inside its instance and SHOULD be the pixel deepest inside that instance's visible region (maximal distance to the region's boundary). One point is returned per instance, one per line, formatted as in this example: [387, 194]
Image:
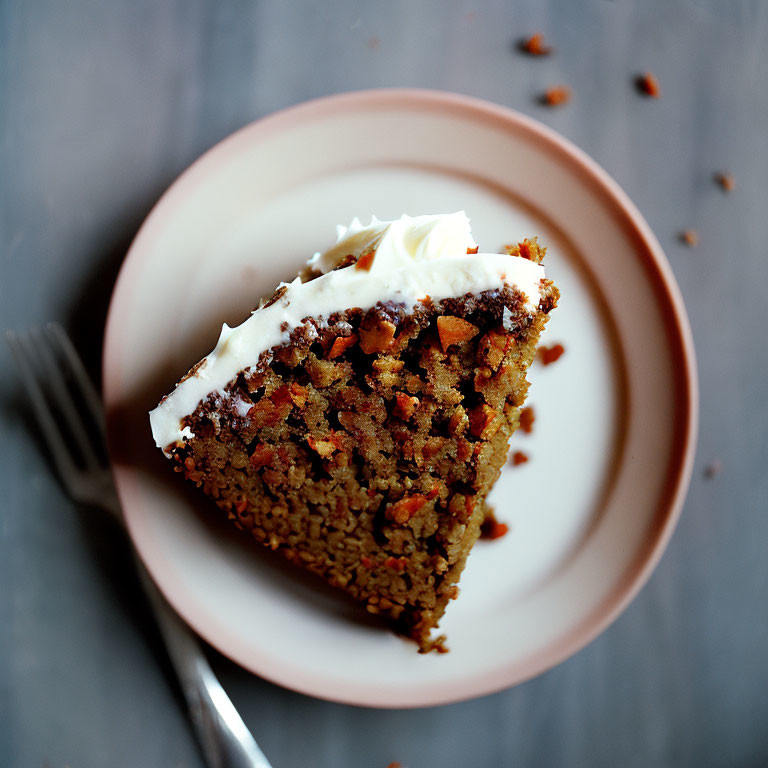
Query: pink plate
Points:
[616, 416]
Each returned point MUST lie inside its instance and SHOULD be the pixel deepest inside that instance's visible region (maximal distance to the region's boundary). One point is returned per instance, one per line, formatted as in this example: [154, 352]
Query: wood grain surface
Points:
[102, 104]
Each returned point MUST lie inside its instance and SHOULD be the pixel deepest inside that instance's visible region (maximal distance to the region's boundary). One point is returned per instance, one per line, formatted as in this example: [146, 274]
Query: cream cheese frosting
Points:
[414, 257]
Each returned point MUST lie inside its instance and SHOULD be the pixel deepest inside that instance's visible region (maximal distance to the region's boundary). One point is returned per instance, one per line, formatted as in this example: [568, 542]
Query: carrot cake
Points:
[357, 420]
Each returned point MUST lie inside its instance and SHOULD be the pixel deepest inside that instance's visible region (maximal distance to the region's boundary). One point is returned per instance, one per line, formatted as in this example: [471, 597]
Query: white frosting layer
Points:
[414, 258]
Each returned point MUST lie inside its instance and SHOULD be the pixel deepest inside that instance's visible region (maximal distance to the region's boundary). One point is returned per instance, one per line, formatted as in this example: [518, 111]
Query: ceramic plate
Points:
[612, 445]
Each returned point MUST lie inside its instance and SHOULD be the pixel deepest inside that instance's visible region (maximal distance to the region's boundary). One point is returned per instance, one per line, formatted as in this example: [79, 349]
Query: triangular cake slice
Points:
[357, 420]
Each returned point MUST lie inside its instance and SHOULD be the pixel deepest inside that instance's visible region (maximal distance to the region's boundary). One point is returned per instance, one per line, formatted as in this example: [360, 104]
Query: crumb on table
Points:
[713, 468]
[534, 45]
[690, 237]
[556, 96]
[726, 181]
[648, 85]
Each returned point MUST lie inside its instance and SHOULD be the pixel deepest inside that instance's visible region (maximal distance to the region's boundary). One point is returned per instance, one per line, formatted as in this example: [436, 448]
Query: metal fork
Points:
[64, 402]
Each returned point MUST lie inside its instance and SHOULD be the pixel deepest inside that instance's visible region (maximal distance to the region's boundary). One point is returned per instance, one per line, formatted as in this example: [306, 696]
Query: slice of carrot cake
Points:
[358, 419]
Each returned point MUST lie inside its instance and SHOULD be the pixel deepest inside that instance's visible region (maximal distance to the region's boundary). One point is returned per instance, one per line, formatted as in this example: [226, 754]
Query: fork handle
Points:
[224, 737]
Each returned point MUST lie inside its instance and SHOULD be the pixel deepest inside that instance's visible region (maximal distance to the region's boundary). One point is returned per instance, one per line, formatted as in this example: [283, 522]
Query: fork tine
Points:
[45, 420]
[59, 394]
[90, 395]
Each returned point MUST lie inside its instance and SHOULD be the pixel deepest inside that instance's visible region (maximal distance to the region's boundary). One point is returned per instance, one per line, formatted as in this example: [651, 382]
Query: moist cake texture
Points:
[361, 444]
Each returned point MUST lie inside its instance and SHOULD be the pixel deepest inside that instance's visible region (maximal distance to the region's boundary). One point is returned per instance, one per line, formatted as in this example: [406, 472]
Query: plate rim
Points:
[679, 335]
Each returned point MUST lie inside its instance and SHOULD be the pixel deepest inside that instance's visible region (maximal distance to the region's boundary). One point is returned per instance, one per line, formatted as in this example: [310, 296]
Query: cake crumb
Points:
[491, 528]
[726, 181]
[527, 417]
[438, 645]
[534, 45]
[690, 237]
[556, 96]
[395, 765]
[365, 262]
[648, 84]
[518, 457]
[713, 468]
[549, 355]
[374, 42]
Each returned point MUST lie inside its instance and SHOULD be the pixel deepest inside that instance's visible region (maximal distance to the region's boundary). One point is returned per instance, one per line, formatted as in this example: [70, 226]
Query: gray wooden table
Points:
[103, 104]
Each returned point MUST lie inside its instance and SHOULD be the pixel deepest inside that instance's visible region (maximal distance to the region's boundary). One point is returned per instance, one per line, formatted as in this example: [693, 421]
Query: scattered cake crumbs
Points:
[556, 96]
[491, 528]
[518, 457]
[726, 181]
[648, 85]
[534, 45]
[713, 468]
[549, 355]
[690, 237]
[527, 417]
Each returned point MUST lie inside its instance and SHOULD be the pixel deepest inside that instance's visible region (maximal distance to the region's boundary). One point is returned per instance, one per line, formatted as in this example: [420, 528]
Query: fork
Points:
[64, 402]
